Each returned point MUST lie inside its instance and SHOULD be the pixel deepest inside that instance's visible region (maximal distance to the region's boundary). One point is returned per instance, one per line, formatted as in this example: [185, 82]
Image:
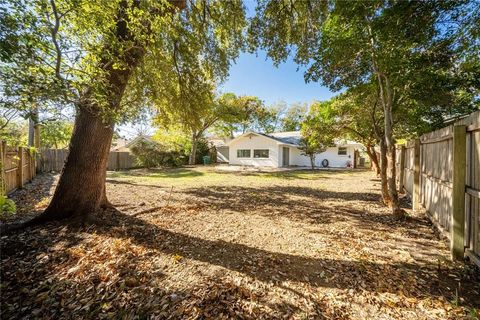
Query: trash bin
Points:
[206, 160]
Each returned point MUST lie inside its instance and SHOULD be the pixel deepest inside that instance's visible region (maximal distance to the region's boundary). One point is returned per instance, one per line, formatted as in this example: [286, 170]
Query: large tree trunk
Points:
[390, 142]
[372, 154]
[383, 173]
[81, 188]
[193, 152]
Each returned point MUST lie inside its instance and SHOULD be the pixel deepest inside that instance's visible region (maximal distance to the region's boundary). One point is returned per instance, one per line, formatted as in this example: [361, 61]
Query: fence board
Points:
[54, 159]
[436, 179]
[11, 168]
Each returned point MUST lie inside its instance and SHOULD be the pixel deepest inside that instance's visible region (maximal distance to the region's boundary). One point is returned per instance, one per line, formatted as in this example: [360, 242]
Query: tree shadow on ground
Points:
[31, 249]
[274, 266]
[300, 204]
[114, 182]
[295, 174]
[35, 286]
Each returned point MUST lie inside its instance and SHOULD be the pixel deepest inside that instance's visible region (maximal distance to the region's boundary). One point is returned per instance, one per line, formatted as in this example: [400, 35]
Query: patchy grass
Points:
[200, 243]
[211, 176]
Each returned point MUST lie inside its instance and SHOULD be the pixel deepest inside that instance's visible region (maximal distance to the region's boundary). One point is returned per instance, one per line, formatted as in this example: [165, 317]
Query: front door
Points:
[286, 157]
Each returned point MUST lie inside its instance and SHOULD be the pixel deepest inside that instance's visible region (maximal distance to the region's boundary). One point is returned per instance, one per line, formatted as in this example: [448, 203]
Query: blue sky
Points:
[257, 76]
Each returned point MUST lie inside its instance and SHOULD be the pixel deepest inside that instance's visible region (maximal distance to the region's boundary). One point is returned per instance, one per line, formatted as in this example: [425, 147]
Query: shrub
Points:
[203, 149]
[7, 206]
[151, 154]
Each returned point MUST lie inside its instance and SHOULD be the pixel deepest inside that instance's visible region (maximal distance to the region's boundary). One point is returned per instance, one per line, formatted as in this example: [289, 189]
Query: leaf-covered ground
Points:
[199, 243]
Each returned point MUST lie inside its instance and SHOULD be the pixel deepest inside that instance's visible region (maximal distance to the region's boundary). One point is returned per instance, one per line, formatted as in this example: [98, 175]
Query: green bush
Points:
[151, 154]
[202, 150]
[7, 206]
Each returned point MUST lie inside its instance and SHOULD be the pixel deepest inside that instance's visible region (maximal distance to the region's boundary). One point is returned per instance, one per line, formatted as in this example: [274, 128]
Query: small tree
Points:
[318, 131]
[294, 116]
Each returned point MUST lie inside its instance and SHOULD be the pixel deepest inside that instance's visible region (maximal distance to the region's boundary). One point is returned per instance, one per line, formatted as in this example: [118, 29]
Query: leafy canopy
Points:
[62, 51]
[318, 130]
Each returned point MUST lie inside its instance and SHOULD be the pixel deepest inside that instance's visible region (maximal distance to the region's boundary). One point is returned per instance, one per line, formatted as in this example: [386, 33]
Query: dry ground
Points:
[196, 243]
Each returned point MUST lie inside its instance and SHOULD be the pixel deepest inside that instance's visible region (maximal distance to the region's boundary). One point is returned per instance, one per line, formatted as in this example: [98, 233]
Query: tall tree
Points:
[107, 59]
[248, 113]
[224, 109]
[344, 44]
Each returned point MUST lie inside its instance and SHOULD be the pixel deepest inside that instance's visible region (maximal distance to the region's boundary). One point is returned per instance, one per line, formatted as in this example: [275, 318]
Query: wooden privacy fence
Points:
[54, 159]
[18, 167]
[441, 171]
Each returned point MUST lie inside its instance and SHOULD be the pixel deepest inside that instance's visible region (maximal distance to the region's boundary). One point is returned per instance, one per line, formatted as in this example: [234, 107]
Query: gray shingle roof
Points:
[290, 137]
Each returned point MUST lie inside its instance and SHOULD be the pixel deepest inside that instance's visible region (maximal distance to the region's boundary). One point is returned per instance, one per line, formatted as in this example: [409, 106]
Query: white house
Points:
[281, 149]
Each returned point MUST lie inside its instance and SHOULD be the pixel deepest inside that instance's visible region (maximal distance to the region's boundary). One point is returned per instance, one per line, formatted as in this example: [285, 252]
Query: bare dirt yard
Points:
[199, 243]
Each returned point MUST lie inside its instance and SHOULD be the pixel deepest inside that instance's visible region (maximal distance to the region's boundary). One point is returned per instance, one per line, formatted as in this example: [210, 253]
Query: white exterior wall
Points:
[331, 154]
[252, 142]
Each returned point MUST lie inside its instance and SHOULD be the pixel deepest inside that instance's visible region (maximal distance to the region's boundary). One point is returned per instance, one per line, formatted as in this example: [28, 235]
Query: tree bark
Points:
[193, 152]
[372, 154]
[81, 188]
[390, 142]
[386, 96]
[312, 161]
[383, 173]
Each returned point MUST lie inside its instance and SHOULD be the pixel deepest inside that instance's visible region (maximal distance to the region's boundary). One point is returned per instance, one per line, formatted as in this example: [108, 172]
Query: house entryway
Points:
[286, 157]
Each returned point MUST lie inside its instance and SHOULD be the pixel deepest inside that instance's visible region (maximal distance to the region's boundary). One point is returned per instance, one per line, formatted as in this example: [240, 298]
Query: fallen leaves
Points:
[237, 247]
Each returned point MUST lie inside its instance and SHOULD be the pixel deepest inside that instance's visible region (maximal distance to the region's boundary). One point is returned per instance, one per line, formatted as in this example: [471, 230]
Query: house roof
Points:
[218, 141]
[288, 137]
[293, 138]
[262, 135]
[118, 144]
[138, 138]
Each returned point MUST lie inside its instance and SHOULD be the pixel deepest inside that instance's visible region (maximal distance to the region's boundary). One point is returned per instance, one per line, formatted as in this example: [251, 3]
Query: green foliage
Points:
[294, 116]
[318, 130]
[358, 115]
[56, 134]
[203, 149]
[178, 144]
[268, 119]
[170, 53]
[15, 133]
[245, 112]
[174, 139]
[150, 155]
[424, 54]
[7, 206]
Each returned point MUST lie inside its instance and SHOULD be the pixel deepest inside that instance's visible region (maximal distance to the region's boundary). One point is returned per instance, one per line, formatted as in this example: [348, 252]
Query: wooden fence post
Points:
[118, 161]
[20, 167]
[458, 192]
[3, 183]
[401, 174]
[416, 176]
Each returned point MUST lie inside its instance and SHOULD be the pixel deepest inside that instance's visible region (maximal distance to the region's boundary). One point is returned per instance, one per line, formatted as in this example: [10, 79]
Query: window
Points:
[260, 153]
[243, 153]
[342, 151]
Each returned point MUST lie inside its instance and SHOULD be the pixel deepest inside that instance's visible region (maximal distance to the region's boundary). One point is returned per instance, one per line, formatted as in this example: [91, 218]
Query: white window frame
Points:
[268, 153]
[343, 154]
[244, 157]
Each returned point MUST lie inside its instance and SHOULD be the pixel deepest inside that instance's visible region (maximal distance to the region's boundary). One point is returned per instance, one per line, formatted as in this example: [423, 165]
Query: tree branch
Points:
[54, 33]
